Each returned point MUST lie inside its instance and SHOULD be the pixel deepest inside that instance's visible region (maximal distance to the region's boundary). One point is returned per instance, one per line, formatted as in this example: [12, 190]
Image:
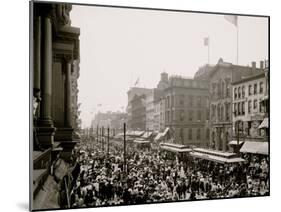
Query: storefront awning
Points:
[234, 142]
[146, 135]
[216, 158]
[214, 152]
[255, 147]
[141, 141]
[158, 136]
[264, 124]
[174, 147]
[166, 131]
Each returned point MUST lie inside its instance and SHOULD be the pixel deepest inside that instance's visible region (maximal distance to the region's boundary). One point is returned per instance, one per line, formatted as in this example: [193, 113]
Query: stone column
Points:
[37, 56]
[46, 129]
[68, 107]
[46, 77]
[223, 137]
[217, 138]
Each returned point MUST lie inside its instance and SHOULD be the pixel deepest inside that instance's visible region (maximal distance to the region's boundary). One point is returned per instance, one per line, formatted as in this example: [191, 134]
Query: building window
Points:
[255, 104]
[239, 108]
[213, 111]
[190, 101]
[168, 116]
[190, 115]
[255, 88]
[190, 134]
[222, 113]
[213, 92]
[261, 106]
[198, 134]
[199, 115]
[172, 116]
[227, 88]
[243, 91]
[207, 114]
[181, 100]
[249, 106]
[168, 102]
[218, 113]
[181, 135]
[250, 90]
[261, 87]
[172, 101]
[181, 115]
[239, 92]
[243, 108]
[235, 93]
[235, 109]
[226, 112]
[249, 128]
[222, 89]
[199, 101]
[207, 134]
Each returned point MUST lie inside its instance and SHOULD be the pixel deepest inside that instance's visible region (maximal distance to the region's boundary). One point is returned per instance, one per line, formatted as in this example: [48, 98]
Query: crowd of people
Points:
[148, 176]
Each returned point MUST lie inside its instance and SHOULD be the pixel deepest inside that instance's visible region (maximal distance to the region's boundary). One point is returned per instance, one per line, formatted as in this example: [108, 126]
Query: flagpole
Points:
[237, 42]
[208, 50]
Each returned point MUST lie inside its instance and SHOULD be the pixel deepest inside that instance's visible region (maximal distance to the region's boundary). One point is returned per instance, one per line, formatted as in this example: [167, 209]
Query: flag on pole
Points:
[206, 41]
[232, 19]
[137, 81]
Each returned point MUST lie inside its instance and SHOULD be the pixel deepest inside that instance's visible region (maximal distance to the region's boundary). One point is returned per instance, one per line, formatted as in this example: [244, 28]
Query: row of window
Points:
[239, 107]
[170, 115]
[221, 89]
[198, 134]
[239, 92]
[222, 112]
[170, 101]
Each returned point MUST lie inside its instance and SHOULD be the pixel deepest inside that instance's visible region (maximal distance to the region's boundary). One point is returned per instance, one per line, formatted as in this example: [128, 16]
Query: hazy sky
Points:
[117, 46]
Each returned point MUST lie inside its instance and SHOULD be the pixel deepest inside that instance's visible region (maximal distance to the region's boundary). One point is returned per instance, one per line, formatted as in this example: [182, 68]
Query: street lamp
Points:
[125, 165]
[108, 141]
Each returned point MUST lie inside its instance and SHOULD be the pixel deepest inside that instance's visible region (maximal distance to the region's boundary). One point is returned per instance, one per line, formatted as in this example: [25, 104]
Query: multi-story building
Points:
[113, 120]
[220, 78]
[162, 114]
[186, 110]
[138, 112]
[152, 101]
[131, 94]
[248, 108]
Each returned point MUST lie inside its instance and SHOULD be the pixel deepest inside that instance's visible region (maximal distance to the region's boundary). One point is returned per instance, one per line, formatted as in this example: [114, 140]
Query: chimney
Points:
[254, 66]
[261, 65]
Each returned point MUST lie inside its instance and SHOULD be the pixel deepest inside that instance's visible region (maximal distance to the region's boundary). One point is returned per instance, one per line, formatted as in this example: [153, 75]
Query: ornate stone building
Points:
[187, 110]
[55, 56]
[220, 77]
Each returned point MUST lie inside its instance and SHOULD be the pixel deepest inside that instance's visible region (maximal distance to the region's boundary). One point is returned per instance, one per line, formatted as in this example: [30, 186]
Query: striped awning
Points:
[158, 137]
[255, 147]
[175, 149]
[264, 124]
[217, 158]
[141, 141]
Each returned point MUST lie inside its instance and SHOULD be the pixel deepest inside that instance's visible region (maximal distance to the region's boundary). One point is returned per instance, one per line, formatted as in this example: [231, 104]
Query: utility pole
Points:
[125, 165]
[102, 138]
[97, 136]
[108, 141]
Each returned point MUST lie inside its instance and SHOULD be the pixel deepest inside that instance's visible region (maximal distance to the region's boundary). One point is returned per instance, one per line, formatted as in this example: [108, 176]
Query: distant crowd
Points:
[149, 177]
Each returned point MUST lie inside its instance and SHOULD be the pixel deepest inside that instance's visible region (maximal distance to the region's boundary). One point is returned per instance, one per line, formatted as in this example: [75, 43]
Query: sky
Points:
[119, 46]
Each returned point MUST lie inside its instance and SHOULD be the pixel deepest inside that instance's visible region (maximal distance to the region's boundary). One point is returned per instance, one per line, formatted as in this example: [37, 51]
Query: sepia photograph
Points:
[136, 105]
